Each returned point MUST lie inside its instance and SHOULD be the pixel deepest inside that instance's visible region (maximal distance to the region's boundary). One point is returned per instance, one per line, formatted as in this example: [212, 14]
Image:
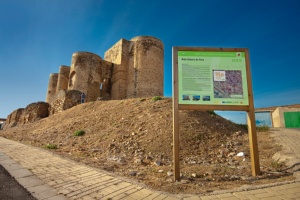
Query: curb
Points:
[28, 180]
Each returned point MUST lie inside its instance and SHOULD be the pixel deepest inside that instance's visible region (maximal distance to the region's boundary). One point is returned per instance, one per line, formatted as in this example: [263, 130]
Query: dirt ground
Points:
[133, 138]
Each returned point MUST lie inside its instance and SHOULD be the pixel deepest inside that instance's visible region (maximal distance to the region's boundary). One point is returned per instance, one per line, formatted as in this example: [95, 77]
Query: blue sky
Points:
[37, 36]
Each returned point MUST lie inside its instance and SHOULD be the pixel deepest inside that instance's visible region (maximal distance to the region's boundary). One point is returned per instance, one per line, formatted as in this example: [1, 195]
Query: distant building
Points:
[279, 116]
[263, 118]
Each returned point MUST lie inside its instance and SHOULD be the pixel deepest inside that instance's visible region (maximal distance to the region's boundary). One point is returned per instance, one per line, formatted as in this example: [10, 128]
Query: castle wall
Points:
[114, 54]
[146, 68]
[85, 74]
[63, 100]
[119, 55]
[130, 69]
[63, 78]
[34, 112]
[106, 75]
[13, 118]
[138, 68]
[51, 87]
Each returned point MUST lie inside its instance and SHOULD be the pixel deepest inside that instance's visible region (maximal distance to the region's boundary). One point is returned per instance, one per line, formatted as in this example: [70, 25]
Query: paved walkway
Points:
[290, 154]
[50, 177]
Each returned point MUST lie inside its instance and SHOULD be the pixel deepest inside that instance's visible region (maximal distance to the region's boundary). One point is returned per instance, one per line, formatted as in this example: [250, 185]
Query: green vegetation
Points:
[211, 112]
[262, 128]
[258, 128]
[243, 126]
[276, 164]
[50, 146]
[79, 133]
[156, 98]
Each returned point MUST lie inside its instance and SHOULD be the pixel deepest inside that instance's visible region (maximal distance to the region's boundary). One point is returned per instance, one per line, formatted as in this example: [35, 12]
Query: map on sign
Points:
[215, 78]
[228, 84]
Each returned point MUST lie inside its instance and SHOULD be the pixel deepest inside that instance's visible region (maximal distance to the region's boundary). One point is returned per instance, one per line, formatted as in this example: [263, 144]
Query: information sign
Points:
[212, 77]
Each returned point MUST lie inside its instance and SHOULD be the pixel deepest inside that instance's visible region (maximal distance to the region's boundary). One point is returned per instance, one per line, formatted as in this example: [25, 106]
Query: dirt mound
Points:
[133, 138]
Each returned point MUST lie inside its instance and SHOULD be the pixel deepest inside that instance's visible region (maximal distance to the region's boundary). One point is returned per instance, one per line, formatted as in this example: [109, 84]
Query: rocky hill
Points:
[133, 138]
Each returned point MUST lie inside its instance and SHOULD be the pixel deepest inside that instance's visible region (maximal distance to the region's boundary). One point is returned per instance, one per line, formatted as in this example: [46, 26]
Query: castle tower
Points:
[63, 78]
[51, 87]
[138, 67]
[85, 74]
[146, 68]
[130, 69]
[119, 55]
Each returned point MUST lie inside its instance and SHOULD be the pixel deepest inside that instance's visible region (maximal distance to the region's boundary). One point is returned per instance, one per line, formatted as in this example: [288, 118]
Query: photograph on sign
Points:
[212, 77]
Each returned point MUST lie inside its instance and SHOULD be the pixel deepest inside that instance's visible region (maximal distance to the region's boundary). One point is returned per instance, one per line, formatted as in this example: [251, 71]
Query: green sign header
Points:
[211, 54]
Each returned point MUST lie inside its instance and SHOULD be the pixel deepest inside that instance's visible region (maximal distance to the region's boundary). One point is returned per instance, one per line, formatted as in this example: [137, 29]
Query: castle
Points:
[129, 69]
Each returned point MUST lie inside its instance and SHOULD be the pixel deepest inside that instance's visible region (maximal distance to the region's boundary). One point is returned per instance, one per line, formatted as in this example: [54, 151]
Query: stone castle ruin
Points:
[130, 69]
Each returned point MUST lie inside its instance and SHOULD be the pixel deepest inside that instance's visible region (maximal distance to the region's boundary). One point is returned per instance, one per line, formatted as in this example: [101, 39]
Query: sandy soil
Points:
[133, 138]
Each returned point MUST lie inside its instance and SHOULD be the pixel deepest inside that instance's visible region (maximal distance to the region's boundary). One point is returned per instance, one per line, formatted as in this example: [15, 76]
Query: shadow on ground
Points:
[10, 189]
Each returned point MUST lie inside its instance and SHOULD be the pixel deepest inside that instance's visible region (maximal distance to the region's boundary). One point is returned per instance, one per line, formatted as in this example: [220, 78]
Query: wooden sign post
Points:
[212, 79]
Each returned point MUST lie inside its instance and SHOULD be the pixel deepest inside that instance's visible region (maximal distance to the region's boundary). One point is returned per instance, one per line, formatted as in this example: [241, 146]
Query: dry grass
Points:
[133, 138]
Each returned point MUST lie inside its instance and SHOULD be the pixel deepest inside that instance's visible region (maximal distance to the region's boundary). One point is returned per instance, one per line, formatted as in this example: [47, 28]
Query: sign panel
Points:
[212, 77]
[216, 79]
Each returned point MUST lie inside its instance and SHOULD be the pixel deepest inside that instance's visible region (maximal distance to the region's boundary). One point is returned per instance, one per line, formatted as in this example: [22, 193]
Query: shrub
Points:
[262, 128]
[50, 146]
[211, 112]
[276, 164]
[243, 126]
[79, 133]
[258, 128]
[156, 98]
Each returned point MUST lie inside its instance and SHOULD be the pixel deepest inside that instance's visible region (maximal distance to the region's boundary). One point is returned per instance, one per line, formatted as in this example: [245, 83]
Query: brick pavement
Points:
[290, 141]
[51, 177]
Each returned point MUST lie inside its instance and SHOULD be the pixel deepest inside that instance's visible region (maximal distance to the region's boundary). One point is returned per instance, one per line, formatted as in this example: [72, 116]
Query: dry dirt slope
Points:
[134, 138]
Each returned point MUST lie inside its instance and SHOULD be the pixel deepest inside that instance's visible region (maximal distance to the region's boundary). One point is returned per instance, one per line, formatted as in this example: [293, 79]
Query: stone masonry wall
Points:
[63, 78]
[33, 112]
[130, 69]
[85, 74]
[146, 68]
[138, 67]
[105, 85]
[51, 87]
[13, 118]
[119, 55]
[63, 100]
